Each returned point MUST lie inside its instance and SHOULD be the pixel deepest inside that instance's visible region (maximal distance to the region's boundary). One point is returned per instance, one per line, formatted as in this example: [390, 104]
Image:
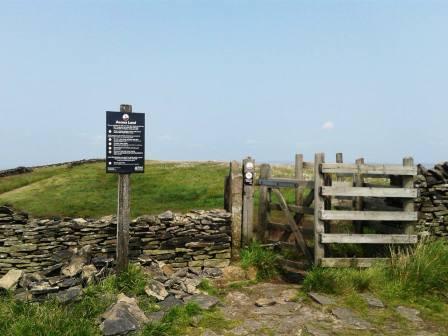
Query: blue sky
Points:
[220, 80]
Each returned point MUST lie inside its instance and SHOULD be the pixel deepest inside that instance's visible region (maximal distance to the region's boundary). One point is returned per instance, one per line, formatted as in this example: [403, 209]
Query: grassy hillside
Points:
[87, 190]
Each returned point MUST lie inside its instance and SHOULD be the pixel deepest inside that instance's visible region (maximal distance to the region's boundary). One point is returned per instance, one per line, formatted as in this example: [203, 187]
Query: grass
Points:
[416, 277]
[50, 318]
[87, 191]
[206, 286]
[132, 281]
[174, 322]
[264, 260]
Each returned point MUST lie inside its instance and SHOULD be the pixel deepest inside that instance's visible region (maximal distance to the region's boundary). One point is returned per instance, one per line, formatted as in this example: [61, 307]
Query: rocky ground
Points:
[247, 307]
[276, 309]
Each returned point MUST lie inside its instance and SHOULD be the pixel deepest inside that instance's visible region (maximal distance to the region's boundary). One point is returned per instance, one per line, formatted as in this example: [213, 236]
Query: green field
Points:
[87, 191]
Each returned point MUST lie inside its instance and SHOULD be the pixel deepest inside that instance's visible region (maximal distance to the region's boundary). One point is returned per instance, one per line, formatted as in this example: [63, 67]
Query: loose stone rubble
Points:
[66, 285]
[196, 239]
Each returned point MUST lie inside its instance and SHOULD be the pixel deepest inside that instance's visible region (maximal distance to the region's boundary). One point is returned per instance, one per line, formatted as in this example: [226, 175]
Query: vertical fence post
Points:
[319, 227]
[358, 181]
[236, 198]
[298, 173]
[123, 213]
[248, 200]
[263, 204]
[339, 159]
[408, 204]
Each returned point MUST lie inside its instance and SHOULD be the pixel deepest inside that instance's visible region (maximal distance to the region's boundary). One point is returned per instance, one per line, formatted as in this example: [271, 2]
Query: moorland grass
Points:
[263, 259]
[87, 191]
[413, 273]
[416, 277]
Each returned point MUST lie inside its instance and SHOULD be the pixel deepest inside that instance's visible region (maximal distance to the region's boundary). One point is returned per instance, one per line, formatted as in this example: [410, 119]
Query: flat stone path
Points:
[270, 309]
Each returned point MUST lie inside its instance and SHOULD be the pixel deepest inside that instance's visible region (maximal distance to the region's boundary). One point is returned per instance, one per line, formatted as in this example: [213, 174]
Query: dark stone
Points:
[204, 301]
[169, 303]
[69, 282]
[321, 298]
[347, 316]
[69, 295]
[52, 270]
[122, 324]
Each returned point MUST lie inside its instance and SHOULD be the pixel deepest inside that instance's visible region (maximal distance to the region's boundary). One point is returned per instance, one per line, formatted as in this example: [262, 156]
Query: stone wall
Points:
[199, 238]
[432, 203]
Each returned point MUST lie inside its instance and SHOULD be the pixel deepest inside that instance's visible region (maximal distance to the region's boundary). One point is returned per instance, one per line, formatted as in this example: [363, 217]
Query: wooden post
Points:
[408, 204]
[263, 204]
[298, 174]
[236, 199]
[123, 213]
[339, 159]
[319, 227]
[248, 202]
[359, 182]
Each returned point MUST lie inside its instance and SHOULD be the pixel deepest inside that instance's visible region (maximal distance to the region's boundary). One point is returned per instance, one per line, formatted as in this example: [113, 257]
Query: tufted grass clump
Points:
[174, 322]
[412, 274]
[132, 281]
[341, 280]
[421, 270]
[264, 260]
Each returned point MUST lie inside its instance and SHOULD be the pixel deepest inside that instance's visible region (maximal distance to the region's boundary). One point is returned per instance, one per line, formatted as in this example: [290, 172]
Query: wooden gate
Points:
[355, 185]
[400, 187]
[271, 198]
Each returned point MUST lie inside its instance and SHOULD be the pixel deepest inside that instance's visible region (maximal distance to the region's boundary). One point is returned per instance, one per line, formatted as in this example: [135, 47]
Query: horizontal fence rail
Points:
[369, 192]
[341, 238]
[368, 215]
[364, 169]
[284, 183]
[351, 262]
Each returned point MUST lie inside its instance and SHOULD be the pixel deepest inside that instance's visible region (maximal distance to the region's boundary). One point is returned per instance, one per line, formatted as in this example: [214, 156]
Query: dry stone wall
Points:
[196, 239]
[432, 202]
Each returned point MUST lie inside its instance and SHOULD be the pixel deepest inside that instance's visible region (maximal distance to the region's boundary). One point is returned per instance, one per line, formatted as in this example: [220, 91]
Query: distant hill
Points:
[86, 190]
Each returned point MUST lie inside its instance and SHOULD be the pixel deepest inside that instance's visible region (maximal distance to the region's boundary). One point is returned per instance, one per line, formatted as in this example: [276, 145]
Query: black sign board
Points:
[125, 142]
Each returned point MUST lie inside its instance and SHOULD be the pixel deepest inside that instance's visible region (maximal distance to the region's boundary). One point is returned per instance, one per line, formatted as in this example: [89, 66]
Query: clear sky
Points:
[220, 80]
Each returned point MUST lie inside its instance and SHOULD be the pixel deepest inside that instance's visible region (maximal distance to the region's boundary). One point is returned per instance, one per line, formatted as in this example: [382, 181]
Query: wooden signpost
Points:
[248, 204]
[125, 154]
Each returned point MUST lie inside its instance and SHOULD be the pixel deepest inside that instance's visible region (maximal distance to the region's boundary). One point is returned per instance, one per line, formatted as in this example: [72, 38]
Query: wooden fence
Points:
[339, 192]
[325, 191]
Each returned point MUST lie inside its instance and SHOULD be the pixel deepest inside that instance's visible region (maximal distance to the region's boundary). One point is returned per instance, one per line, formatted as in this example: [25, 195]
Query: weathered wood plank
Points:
[308, 165]
[369, 192]
[368, 169]
[248, 203]
[297, 234]
[351, 262]
[319, 225]
[280, 182]
[368, 215]
[263, 205]
[236, 200]
[286, 227]
[341, 238]
[294, 208]
[358, 180]
[123, 213]
[298, 174]
[408, 182]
